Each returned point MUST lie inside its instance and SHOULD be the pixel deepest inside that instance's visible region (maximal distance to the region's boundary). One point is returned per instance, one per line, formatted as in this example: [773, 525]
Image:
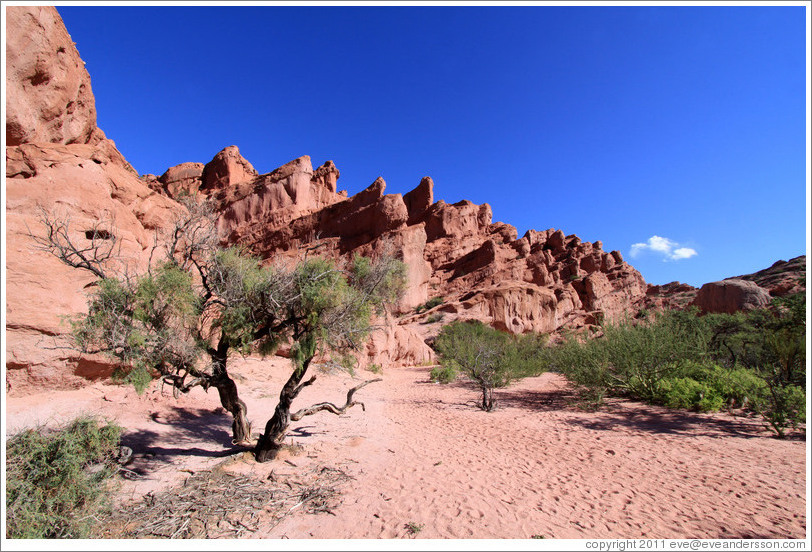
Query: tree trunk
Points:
[276, 428]
[487, 399]
[229, 397]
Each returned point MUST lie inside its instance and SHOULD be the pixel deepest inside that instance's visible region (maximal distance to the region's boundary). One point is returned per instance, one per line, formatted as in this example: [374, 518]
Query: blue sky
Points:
[676, 135]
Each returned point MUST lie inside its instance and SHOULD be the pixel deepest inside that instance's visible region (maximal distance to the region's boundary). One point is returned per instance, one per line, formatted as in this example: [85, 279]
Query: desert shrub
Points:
[633, 358]
[781, 406]
[444, 373]
[755, 360]
[432, 318]
[488, 357]
[56, 480]
[430, 304]
[737, 386]
[690, 394]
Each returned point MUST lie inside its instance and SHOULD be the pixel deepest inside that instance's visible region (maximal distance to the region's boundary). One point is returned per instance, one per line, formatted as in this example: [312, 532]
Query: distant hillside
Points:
[782, 278]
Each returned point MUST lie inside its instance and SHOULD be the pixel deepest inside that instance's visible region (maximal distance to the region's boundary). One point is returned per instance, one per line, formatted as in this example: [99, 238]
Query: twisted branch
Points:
[330, 407]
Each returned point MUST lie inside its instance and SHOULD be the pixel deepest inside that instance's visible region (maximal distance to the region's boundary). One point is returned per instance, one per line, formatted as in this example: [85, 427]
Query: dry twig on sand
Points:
[219, 504]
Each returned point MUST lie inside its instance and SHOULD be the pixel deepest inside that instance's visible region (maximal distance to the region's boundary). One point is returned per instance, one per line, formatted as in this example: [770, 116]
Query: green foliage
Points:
[477, 350]
[633, 358]
[430, 304]
[138, 376]
[164, 323]
[51, 493]
[487, 356]
[336, 307]
[681, 360]
[145, 322]
[382, 281]
[781, 406]
[240, 288]
[689, 394]
[413, 528]
[444, 373]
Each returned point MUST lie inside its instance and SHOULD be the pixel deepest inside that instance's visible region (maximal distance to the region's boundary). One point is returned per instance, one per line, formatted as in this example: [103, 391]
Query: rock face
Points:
[57, 160]
[731, 296]
[782, 278]
[541, 282]
[48, 95]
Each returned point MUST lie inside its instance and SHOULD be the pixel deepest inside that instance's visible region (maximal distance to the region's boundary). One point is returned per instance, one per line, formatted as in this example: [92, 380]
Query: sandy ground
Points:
[423, 454]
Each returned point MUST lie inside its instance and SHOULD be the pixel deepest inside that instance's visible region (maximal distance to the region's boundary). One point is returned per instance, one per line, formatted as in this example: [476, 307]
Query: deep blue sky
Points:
[613, 123]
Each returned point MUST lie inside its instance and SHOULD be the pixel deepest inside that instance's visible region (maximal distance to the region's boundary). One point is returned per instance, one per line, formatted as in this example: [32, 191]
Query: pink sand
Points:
[422, 453]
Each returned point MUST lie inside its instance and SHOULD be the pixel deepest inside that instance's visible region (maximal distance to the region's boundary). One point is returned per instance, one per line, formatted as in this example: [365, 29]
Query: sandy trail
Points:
[423, 454]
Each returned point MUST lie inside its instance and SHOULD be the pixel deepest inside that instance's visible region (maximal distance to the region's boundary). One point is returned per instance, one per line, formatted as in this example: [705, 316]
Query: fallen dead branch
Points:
[219, 504]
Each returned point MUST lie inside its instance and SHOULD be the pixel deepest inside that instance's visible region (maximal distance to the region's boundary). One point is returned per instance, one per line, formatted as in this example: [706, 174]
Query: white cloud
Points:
[669, 249]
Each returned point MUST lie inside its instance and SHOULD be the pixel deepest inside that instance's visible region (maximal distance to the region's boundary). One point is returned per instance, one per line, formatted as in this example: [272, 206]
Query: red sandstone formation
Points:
[48, 96]
[731, 296]
[782, 278]
[58, 160]
[541, 282]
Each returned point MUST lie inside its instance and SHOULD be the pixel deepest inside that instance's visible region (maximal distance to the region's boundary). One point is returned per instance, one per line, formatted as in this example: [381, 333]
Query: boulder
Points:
[729, 296]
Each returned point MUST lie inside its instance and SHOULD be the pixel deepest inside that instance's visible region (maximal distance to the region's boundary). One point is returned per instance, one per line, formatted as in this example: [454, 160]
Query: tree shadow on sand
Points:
[185, 432]
[620, 414]
[641, 418]
[543, 400]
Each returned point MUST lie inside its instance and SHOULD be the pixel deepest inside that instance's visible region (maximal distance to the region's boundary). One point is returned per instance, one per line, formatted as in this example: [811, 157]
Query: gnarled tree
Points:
[197, 303]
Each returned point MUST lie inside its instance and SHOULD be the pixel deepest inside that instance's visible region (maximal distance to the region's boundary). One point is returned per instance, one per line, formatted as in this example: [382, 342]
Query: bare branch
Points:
[103, 244]
[330, 407]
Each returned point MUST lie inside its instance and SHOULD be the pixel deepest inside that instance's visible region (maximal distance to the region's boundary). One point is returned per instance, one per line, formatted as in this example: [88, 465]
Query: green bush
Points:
[444, 373]
[488, 357]
[57, 480]
[781, 406]
[690, 394]
[430, 304]
[633, 358]
[755, 360]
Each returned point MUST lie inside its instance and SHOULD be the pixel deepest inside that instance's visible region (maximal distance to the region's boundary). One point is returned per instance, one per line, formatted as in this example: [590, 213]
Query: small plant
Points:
[375, 368]
[412, 528]
[57, 479]
[430, 304]
[444, 373]
[436, 317]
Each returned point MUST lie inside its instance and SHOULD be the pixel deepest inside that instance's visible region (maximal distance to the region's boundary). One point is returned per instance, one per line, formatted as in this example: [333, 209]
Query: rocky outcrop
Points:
[782, 278]
[227, 169]
[48, 95]
[673, 295]
[730, 296]
[181, 180]
[541, 282]
[58, 161]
